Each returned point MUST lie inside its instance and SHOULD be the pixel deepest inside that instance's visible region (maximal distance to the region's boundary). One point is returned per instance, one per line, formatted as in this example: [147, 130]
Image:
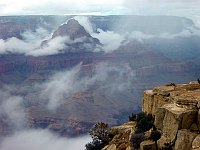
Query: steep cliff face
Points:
[177, 114]
[72, 29]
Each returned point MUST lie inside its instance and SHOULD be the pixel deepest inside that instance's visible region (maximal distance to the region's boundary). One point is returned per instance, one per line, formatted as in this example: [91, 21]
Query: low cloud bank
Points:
[42, 140]
[31, 43]
[13, 119]
[30, 40]
[11, 109]
[112, 40]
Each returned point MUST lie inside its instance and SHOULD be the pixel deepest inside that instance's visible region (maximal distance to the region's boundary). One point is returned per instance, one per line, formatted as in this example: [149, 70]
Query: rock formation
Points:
[72, 29]
[76, 37]
[177, 117]
[176, 111]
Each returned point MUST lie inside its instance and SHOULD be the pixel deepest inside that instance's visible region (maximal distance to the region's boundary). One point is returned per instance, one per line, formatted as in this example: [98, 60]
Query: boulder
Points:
[184, 140]
[148, 101]
[153, 99]
[147, 145]
[169, 119]
[196, 143]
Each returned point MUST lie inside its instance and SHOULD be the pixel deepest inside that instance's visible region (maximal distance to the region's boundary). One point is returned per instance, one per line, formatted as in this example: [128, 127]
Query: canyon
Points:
[117, 78]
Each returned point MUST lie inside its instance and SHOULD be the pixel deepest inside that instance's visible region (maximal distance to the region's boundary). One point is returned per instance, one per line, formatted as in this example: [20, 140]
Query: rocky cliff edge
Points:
[176, 109]
[177, 114]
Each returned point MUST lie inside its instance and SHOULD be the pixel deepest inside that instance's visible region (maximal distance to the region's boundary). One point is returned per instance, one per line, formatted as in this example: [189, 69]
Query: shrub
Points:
[100, 136]
[171, 84]
[144, 122]
[100, 131]
[136, 139]
[155, 136]
[132, 117]
[96, 144]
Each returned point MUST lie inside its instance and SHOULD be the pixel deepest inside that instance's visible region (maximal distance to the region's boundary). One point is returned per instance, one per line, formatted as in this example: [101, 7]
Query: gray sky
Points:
[187, 8]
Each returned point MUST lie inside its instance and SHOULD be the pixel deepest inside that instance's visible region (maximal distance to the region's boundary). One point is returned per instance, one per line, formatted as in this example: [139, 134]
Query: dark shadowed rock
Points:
[72, 29]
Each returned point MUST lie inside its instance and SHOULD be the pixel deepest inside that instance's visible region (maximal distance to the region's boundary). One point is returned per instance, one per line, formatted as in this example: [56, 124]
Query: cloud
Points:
[104, 7]
[56, 7]
[110, 40]
[42, 140]
[63, 85]
[31, 44]
[13, 119]
[85, 22]
[140, 36]
[31, 40]
[38, 35]
[13, 45]
[11, 107]
[53, 46]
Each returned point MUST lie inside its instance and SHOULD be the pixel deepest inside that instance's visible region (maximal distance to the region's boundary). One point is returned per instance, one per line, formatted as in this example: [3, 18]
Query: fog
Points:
[14, 116]
[11, 107]
[57, 89]
[30, 41]
[39, 43]
[53, 46]
[42, 140]
[61, 86]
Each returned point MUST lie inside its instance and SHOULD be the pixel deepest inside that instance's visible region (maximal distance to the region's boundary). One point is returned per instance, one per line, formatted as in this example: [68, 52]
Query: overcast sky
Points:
[187, 8]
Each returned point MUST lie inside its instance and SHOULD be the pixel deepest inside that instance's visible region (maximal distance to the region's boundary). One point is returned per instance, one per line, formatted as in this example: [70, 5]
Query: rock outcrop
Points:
[72, 29]
[176, 111]
[76, 38]
[177, 117]
[122, 135]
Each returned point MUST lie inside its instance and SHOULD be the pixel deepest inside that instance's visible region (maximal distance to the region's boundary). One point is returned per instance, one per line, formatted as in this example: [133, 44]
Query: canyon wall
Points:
[177, 114]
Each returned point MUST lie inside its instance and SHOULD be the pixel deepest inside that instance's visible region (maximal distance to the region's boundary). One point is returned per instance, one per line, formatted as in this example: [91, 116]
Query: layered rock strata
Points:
[177, 114]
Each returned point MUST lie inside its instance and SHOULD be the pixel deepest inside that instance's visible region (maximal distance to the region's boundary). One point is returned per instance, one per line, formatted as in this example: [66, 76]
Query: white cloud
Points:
[31, 44]
[14, 45]
[110, 40]
[55, 7]
[31, 40]
[140, 36]
[14, 110]
[63, 85]
[38, 35]
[42, 140]
[11, 106]
[104, 7]
[182, 8]
[84, 21]
[53, 46]
[21, 138]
